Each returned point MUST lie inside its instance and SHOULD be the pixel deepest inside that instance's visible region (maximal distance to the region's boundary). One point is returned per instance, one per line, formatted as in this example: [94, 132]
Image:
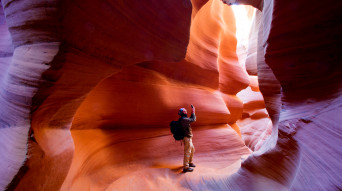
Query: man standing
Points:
[189, 148]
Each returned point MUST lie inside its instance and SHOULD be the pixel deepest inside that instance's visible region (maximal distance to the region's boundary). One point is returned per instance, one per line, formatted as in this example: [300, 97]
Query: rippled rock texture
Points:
[88, 90]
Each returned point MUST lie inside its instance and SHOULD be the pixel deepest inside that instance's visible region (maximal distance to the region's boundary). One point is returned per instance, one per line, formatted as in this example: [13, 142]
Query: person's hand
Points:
[193, 108]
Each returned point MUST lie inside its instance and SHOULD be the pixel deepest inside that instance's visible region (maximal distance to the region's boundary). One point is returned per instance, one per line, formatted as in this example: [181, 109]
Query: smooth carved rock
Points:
[143, 119]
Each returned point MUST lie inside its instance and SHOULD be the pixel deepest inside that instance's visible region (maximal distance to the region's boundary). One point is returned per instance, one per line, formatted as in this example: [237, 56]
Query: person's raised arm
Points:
[193, 115]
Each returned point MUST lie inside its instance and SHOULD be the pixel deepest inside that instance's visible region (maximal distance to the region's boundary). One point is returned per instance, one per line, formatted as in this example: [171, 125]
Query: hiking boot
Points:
[188, 169]
[192, 165]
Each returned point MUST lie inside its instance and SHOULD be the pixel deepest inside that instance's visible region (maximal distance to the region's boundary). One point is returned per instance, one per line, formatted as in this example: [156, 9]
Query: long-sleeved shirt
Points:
[185, 122]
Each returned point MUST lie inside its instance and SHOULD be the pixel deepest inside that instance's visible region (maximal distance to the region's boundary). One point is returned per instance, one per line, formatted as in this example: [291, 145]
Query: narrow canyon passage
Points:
[88, 89]
[121, 132]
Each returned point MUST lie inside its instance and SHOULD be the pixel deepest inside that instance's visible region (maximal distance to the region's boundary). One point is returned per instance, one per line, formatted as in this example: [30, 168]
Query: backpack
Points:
[177, 130]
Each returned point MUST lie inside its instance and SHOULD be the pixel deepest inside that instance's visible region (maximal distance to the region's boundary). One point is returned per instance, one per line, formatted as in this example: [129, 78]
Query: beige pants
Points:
[189, 150]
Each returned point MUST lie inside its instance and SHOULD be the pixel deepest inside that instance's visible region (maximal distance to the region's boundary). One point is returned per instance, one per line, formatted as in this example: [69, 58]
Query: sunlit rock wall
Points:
[128, 113]
[254, 122]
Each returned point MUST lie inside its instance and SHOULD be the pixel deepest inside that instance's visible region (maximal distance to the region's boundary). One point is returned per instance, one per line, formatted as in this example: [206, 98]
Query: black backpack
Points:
[177, 130]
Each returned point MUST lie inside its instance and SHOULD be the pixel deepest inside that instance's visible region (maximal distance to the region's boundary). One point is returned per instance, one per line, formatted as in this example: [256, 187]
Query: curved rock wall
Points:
[287, 45]
[308, 116]
[26, 46]
[63, 30]
[130, 119]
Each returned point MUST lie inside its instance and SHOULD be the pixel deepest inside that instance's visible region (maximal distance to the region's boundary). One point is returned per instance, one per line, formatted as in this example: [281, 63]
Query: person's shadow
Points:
[173, 168]
[177, 170]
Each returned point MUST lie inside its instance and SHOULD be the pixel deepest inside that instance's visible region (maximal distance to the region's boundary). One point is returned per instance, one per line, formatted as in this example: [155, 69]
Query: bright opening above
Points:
[243, 18]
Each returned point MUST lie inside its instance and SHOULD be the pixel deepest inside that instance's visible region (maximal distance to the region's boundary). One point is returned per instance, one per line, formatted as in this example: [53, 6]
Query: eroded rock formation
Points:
[98, 83]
